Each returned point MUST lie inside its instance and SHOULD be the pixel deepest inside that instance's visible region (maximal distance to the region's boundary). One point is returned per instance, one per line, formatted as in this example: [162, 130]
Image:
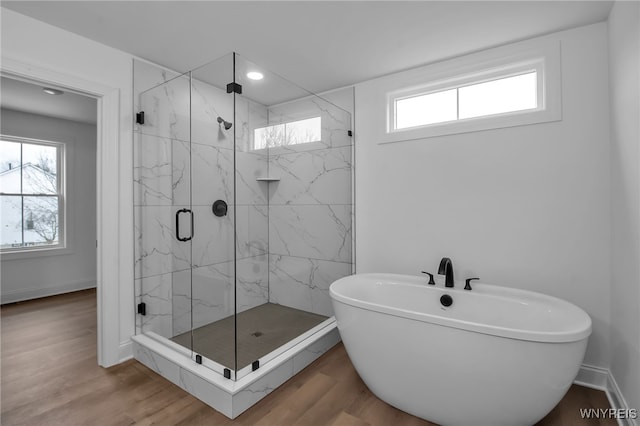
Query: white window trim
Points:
[63, 246]
[534, 55]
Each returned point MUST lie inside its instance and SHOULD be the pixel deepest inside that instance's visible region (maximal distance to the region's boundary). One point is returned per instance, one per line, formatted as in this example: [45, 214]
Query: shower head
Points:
[227, 125]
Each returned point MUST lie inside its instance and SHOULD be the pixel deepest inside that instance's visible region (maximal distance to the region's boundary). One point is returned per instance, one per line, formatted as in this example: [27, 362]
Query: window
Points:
[499, 96]
[426, 109]
[509, 94]
[502, 87]
[31, 194]
[291, 133]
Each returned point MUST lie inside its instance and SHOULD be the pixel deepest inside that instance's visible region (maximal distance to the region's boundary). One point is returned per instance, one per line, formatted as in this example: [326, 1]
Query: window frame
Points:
[541, 56]
[62, 247]
[479, 78]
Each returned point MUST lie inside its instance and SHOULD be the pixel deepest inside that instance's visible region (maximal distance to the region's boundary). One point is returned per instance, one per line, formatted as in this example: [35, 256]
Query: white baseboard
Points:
[126, 351]
[602, 379]
[617, 400]
[593, 377]
[35, 293]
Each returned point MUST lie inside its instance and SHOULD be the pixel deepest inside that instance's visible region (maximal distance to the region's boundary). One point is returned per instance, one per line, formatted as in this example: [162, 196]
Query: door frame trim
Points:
[109, 255]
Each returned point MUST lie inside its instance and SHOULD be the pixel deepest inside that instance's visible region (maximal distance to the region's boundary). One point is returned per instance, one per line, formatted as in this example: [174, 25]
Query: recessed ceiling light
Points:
[50, 91]
[255, 75]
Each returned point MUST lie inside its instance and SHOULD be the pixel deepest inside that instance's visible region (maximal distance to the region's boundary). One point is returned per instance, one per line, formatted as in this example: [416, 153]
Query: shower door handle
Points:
[178, 224]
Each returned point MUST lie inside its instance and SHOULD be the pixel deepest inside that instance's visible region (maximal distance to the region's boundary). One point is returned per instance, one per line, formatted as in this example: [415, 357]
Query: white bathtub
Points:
[496, 356]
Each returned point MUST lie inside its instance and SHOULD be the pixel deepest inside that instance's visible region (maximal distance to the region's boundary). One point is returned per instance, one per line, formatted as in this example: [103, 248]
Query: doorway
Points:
[47, 190]
[112, 229]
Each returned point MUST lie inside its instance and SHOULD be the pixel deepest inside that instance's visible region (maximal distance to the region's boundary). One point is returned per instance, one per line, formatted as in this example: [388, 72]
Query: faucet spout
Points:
[446, 269]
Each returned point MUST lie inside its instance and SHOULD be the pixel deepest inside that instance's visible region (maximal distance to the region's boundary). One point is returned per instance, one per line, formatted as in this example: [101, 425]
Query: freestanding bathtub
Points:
[495, 356]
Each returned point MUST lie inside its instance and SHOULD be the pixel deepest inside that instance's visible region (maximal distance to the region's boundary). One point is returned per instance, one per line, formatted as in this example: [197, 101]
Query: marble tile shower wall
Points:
[184, 282]
[310, 209]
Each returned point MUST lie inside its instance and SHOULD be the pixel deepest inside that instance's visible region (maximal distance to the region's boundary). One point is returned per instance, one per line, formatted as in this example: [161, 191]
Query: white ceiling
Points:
[26, 97]
[318, 45]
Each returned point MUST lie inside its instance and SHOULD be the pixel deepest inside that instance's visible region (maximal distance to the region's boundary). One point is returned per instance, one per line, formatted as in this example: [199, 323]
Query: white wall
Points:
[624, 74]
[45, 275]
[524, 207]
[37, 44]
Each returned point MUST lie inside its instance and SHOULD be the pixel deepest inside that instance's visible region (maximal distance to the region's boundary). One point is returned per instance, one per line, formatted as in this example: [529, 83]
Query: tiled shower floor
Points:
[260, 330]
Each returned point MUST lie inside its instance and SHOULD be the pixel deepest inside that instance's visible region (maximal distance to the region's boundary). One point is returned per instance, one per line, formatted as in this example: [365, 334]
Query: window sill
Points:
[469, 125]
[34, 253]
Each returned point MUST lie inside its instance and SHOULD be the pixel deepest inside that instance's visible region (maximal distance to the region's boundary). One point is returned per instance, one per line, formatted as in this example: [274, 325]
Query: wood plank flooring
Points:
[50, 376]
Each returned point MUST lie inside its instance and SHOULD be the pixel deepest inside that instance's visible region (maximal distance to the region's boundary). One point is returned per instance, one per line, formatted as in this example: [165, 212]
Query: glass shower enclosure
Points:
[243, 212]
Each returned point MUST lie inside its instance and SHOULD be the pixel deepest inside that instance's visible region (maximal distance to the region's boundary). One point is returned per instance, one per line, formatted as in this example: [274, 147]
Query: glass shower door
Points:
[213, 200]
[185, 218]
[164, 217]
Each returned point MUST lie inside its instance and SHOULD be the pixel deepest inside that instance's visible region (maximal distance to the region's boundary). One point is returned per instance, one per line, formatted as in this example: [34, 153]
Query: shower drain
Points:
[257, 334]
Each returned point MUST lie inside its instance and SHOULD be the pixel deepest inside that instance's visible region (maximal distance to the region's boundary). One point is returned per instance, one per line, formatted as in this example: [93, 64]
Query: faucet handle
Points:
[431, 281]
[468, 281]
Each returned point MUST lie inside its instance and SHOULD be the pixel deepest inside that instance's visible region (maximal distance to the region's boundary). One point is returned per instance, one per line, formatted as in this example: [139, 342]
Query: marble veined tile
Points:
[242, 124]
[213, 289]
[209, 103]
[313, 231]
[213, 237]
[155, 292]
[303, 283]
[181, 301]
[312, 177]
[157, 251]
[181, 172]
[205, 391]
[266, 384]
[252, 285]
[161, 171]
[147, 76]
[249, 167]
[211, 174]
[164, 367]
[167, 110]
[212, 293]
[315, 350]
[252, 230]
[152, 170]
[249, 116]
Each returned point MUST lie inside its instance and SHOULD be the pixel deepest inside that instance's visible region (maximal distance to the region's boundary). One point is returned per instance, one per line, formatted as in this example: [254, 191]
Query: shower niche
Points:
[243, 218]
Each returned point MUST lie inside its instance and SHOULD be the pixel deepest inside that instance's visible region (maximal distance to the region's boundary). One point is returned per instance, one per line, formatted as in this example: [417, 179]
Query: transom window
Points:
[291, 133]
[514, 85]
[31, 194]
[497, 96]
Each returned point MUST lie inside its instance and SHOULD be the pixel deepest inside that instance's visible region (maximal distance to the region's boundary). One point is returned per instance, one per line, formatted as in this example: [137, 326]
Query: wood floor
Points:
[49, 376]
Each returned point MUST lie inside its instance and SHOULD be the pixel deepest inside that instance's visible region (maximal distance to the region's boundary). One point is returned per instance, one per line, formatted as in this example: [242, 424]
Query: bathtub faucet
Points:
[446, 269]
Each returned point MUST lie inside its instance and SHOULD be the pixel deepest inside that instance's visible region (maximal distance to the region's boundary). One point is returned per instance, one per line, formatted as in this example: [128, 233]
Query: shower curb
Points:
[229, 397]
